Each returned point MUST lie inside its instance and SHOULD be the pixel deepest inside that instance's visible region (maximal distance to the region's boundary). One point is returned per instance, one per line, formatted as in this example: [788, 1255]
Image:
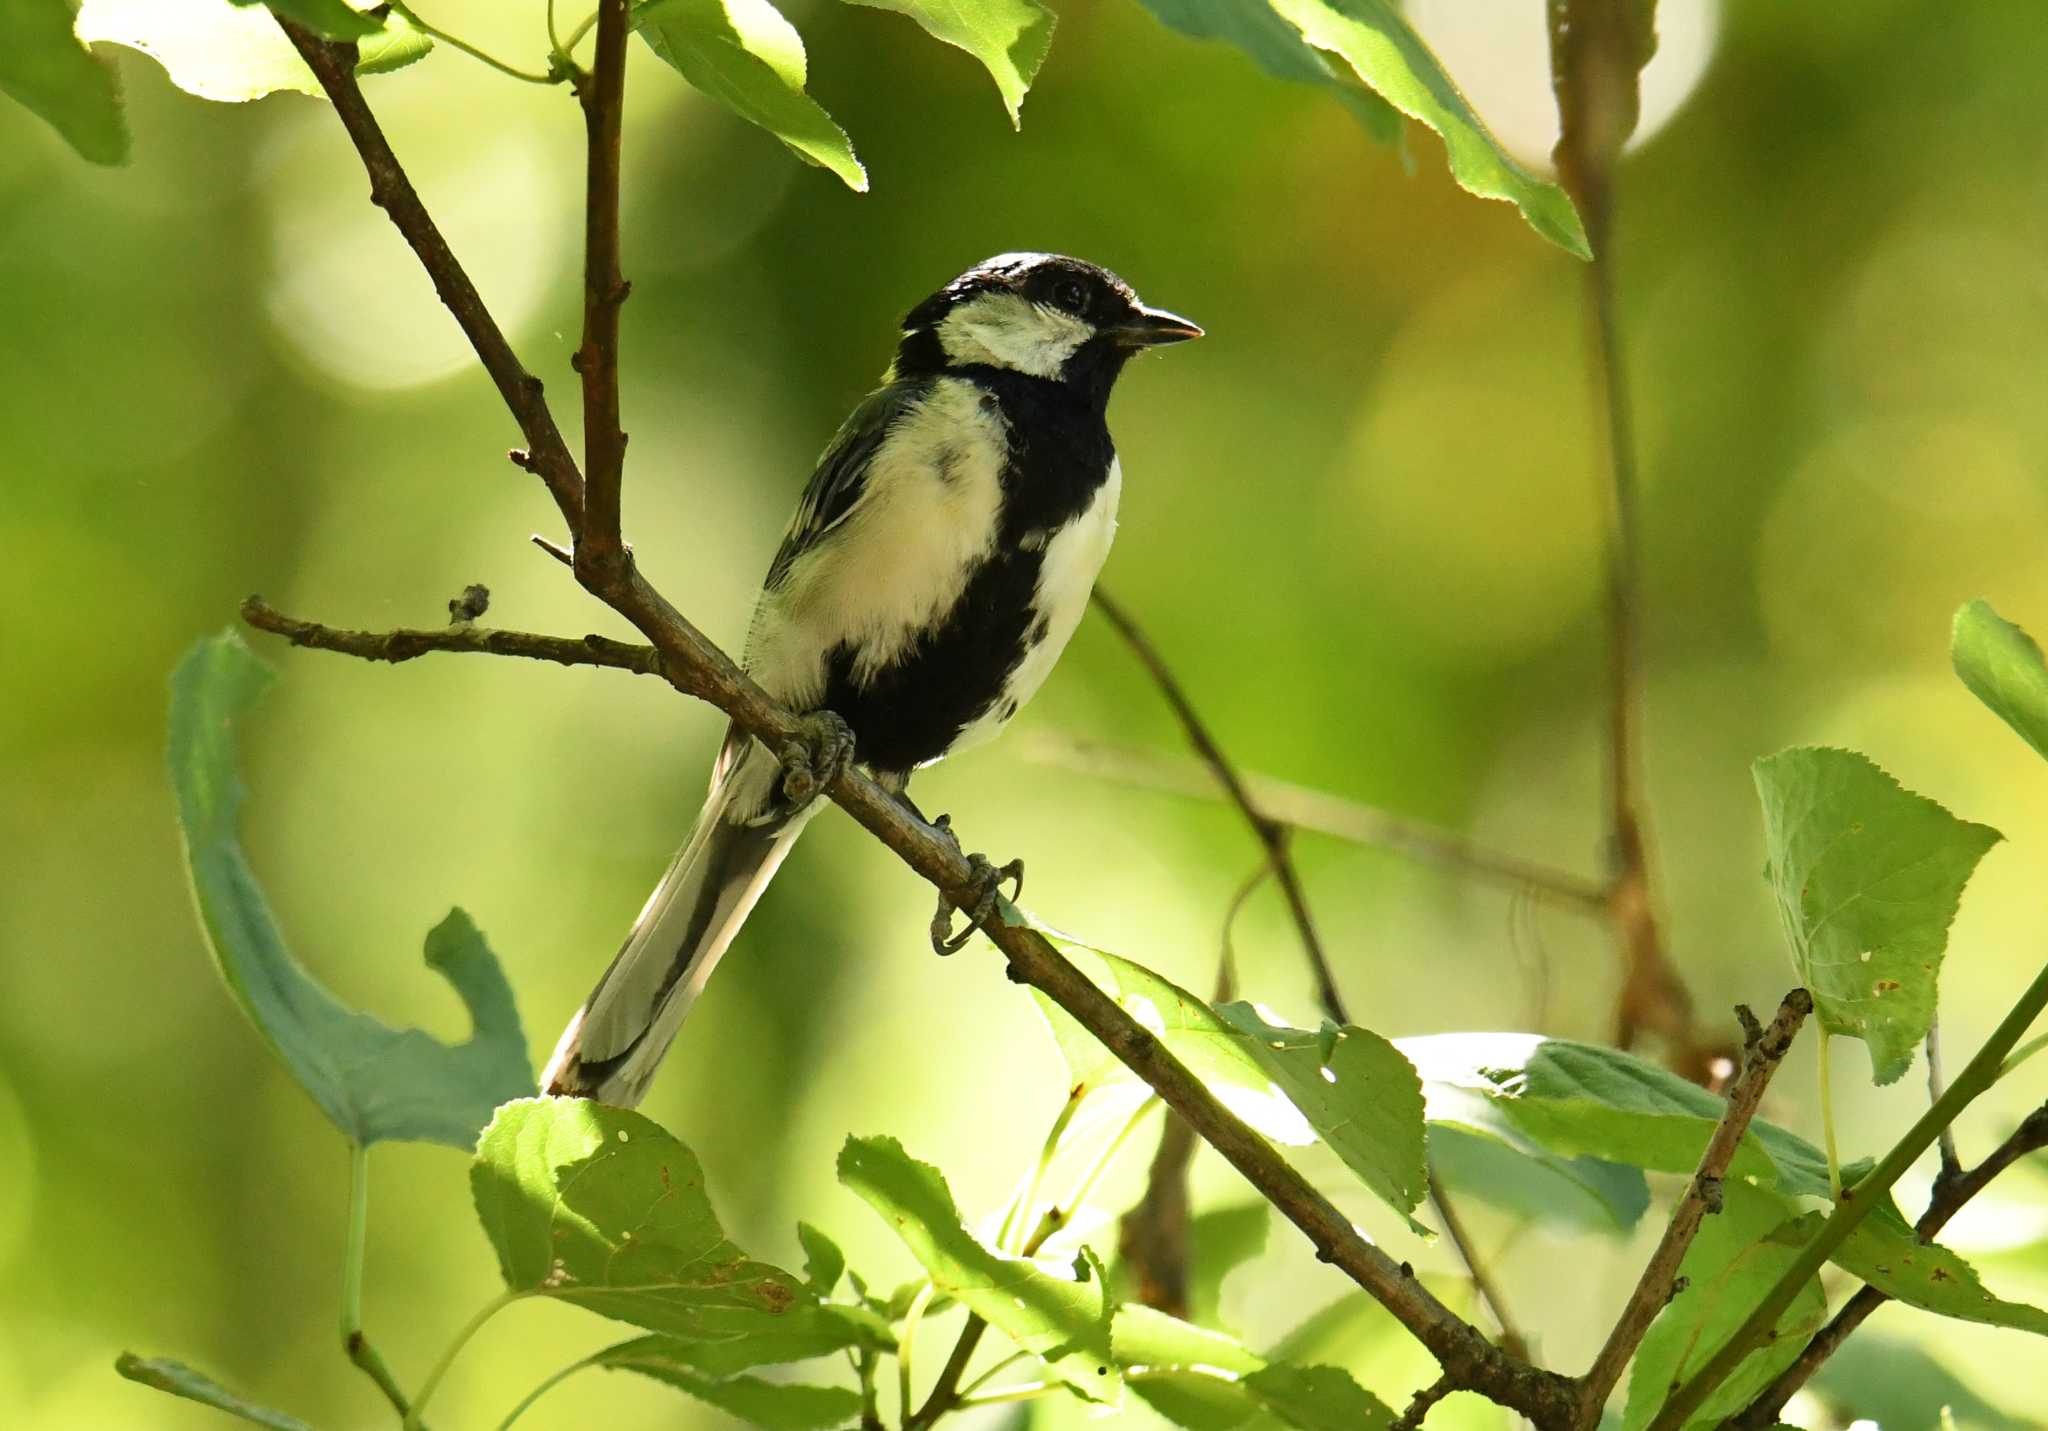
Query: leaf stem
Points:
[1827, 1114]
[905, 1343]
[353, 1340]
[1026, 1391]
[1020, 1209]
[544, 1388]
[513, 71]
[576, 35]
[470, 1328]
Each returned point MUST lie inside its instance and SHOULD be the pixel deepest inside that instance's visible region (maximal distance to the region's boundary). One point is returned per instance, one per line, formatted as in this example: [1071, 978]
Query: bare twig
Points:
[599, 547]
[1763, 1049]
[1511, 1339]
[1419, 1408]
[405, 644]
[1950, 1194]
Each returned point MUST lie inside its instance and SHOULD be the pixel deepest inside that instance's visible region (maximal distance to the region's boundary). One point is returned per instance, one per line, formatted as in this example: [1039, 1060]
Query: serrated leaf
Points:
[1063, 1321]
[776, 1405]
[373, 1081]
[604, 1209]
[181, 1380]
[45, 68]
[1277, 48]
[230, 53]
[1372, 37]
[1359, 1092]
[330, 18]
[2003, 668]
[1736, 1258]
[745, 55]
[1207, 1381]
[1885, 1252]
[1868, 876]
[1009, 37]
[824, 1263]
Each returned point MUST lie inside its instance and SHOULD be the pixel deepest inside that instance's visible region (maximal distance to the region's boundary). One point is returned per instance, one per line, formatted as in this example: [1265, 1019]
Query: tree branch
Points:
[406, 644]
[1763, 1050]
[602, 94]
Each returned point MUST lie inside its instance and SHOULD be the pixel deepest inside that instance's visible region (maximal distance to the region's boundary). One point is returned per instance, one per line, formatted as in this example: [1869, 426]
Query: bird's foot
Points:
[814, 759]
[986, 880]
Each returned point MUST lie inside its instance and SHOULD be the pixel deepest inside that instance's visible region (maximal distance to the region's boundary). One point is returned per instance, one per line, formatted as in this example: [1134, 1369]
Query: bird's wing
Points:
[842, 472]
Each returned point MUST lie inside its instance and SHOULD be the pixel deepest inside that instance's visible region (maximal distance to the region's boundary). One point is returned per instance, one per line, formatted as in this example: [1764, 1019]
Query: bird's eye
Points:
[1071, 295]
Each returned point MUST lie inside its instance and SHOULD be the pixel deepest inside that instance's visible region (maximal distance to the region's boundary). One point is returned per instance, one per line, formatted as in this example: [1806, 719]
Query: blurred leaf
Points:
[1885, 1252]
[1873, 1376]
[1317, 1398]
[1207, 1381]
[824, 1263]
[745, 55]
[1577, 1099]
[1065, 1322]
[1514, 1175]
[779, 1406]
[602, 1208]
[1277, 48]
[1736, 1258]
[799, 1336]
[228, 53]
[330, 18]
[43, 66]
[1219, 1241]
[373, 1081]
[2003, 668]
[1009, 37]
[1868, 876]
[1373, 38]
[1358, 1091]
[181, 1380]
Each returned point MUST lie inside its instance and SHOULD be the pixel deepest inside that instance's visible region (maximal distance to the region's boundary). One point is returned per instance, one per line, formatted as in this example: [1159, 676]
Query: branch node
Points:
[1710, 1193]
[1752, 1031]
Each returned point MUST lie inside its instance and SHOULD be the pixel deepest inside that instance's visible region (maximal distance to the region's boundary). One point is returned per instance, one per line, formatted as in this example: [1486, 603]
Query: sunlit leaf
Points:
[330, 18]
[1514, 1174]
[745, 55]
[1009, 37]
[1868, 876]
[230, 53]
[1064, 1321]
[44, 67]
[1207, 1381]
[181, 1380]
[824, 1263]
[1278, 48]
[1737, 1257]
[1372, 37]
[373, 1081]
[1317, 1398]
[776, 1405]
[1885, 1252]
[2003, 668]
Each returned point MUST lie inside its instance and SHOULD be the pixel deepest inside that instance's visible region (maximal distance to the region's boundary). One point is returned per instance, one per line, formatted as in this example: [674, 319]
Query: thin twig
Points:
[1511, 1339]
[1945, 1145]
[405, 644]
[599, 547]
[1419, 1408]
[1763, 1049]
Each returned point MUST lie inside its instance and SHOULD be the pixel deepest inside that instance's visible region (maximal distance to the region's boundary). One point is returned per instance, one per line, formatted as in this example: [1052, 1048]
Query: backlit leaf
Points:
[1278, 48]
[231, 53]
[2003, 668]
[1885, 1252]
[776, 1405]
[329, 18]
[43, 66]
[1009, 37]
[181, 1380]
[1207, 1381]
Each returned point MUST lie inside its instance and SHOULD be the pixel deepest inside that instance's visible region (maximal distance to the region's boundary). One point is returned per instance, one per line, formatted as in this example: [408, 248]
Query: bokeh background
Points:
[1362, 520]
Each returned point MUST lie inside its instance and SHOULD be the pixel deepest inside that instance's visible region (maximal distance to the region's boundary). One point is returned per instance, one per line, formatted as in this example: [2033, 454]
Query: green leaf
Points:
[1736, 1258]
[798, 1336]
[1219, 1241]
[1885, 1252]
[1868, 876]
[1207, 1381]
[1009, 37]
[1512, 1173]
[331, 18]
[779, 1406]
[745, 55]
[1357, 1091]
[1065, 1322]
[1317, 1398]
[1579, 1100]
[1872, 1376]
[602, 1208]
[43, 66]
[2003, 668]
[824, 1263]
[181, 1380]
[373, 1081]
[1373, 38]
[230, 53]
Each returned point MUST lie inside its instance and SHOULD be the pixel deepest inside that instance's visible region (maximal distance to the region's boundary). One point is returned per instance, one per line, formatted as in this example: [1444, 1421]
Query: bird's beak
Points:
[1149, 327]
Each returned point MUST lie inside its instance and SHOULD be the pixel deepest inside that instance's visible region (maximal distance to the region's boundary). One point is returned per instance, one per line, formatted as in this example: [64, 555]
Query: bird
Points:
[936, 566]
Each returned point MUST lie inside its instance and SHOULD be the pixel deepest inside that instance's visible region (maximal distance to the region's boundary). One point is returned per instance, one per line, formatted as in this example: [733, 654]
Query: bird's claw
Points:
[986, 880]
[814, 759]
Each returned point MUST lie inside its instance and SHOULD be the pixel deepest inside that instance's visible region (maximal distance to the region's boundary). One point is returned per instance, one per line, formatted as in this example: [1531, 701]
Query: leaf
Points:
[230, 53]
[1373, 38]
[1868, 876]
[44, 67]
[779, 1406]
[181, 1380]
[1357, 1091]
[824, 1263]
[329, 18]
[1219, 1241]
[602, 1208]
[1207, 1381]
[1317, 1398]
[1065, 1322]
[372, 1081]
[797, 1336]
[745, 55]
[1872, 1375]
[1009, 37]
[1513, 1174]
[1885, 1252]
[1736, 1258]
[2003, 668]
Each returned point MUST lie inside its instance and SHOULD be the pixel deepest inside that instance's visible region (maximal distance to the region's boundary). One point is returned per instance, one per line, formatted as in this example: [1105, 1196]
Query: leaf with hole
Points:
[373, 1081]
[45, 68]
[1009, 37]
[1868, 876]
[230, 53]
[2003, 668]
[178, 1379]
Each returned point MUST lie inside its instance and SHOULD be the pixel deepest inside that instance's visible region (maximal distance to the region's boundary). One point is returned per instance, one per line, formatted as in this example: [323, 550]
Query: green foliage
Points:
[181, 1380]
[1066, 1322]
[1009, 37]
[229, 52]
[1501, 1167]
[824, 1263]
[745, 55]
[2003, 668]
[1206, 1381]
[776, 1405]
[1885, 1252]
[373, 1081]
[43, 66]
[331, 18]
[1736, 1258]
[1874, 1375]
[1220, 1240]
[1868, 876]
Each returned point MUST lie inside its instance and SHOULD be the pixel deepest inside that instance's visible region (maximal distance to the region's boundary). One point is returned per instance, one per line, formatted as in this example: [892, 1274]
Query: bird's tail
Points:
[612, 1046]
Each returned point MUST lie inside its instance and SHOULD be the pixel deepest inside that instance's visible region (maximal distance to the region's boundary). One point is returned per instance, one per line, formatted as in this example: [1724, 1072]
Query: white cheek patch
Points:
[1007, 330]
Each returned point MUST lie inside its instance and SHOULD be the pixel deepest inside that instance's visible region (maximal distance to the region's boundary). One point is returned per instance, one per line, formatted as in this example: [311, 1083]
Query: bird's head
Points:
[1040, 314]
